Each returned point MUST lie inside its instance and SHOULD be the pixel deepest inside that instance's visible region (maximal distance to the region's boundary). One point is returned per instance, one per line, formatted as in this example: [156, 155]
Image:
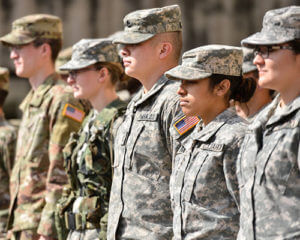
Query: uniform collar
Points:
[286, 111]
[35, 97]
[141, 97]
[267, 117]
[105, 115]
[213, 127]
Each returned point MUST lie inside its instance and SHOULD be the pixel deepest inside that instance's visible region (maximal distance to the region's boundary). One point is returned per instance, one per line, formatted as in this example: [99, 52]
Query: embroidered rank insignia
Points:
[73, 112]
[186, 123]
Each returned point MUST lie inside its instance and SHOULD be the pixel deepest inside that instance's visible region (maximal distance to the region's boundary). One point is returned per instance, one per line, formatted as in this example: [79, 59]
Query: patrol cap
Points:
[63, 57]
[202, 62]
[248, 56]
[4, 79]
[90, 51]
[142, 25]
[27, 29]
[279, 26]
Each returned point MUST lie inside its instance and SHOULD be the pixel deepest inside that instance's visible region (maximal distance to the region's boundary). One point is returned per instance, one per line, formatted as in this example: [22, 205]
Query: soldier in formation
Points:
[204, 187]
[94, 70]
[140, 201]
[268, 165]
[50, 114]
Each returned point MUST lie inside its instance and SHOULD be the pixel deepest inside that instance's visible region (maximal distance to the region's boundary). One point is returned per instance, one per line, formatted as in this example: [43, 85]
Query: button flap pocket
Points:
[191, 176]
[132, 140]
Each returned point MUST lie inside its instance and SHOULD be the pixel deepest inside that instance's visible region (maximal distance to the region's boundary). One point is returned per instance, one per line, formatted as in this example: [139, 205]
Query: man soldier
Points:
[140, 205]
[50, 114]
[8, 136]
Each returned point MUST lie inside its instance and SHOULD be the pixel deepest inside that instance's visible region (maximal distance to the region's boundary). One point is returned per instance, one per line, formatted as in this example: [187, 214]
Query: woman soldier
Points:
[94, 69]
[204, 189]
[268, 166]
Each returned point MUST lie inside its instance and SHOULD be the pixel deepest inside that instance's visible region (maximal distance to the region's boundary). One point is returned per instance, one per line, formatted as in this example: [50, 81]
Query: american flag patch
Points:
[73, 112]
[186, 123]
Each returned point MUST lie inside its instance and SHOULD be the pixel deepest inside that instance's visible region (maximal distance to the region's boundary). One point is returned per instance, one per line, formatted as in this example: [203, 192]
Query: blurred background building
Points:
[204, 22]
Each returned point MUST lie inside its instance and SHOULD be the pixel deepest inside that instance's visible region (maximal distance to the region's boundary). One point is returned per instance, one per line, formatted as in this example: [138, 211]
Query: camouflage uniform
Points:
[203, 186]
[50, 114]
[139, 205]
[88, 155]
[8, 136]
[268, 164]
[88, 164]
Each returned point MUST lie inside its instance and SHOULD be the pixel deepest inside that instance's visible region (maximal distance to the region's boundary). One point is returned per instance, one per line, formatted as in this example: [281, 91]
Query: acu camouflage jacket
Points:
[269, 175]
[204, 187]
[140, 206]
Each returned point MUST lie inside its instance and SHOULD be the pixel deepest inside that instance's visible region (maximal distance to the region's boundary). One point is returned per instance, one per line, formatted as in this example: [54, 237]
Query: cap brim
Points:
[248, 68]
[186, 73]
[262, 38]
[13, 38]
[132, 38]
[77, 64]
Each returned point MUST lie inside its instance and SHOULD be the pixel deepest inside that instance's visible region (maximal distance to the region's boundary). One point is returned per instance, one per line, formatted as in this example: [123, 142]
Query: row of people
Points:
[184, 164]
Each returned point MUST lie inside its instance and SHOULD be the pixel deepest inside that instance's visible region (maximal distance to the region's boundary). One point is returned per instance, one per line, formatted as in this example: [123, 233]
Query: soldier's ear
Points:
[46, 49]
[103, 74]
[165, 49]
[222, 88]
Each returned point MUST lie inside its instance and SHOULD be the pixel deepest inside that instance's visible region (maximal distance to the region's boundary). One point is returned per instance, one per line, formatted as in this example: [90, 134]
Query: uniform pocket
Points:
[133, 141]
[192, 175]
[278, 162]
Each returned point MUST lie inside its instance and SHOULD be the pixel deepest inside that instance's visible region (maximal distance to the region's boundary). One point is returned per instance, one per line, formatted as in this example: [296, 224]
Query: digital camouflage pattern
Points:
[139, 206]
[279, 26]
[4, 79]
[63, 57]
[269, 176]
[8, 137]
[202, 62]
[88, 159]
[142, 25]
[38, 174]
[204, 187]
[248, 56]
[90, 51]
[27, 29]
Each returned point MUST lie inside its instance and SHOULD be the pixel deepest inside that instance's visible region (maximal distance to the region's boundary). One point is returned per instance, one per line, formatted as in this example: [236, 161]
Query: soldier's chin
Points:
[186, 111]
[21, 74]
[77, 94]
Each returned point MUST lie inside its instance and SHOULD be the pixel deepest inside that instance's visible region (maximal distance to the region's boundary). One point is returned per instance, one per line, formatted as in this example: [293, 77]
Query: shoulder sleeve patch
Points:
[185, 123]
[73, 112]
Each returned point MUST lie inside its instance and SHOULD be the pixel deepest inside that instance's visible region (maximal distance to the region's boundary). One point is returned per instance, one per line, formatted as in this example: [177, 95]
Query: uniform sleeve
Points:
[172, 113]
[229, 168]
[61, 125]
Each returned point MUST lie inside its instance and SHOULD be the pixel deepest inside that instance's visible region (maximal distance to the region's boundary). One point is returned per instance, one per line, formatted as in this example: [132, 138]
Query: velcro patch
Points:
[73, 112]
[148, 117]
[212, 147]
[186, 123]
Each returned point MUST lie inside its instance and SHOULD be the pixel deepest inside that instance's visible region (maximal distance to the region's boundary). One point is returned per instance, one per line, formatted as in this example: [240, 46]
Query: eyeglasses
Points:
[73, 74]
[264, 51]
